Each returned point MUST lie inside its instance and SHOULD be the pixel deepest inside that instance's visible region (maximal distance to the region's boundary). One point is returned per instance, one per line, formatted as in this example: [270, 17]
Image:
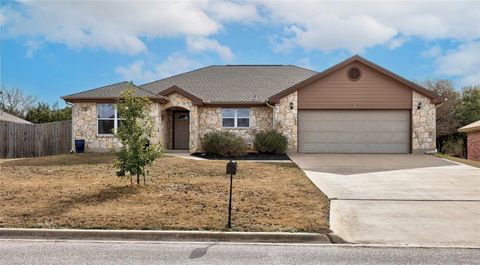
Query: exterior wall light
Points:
[419, 105]
[291, 105]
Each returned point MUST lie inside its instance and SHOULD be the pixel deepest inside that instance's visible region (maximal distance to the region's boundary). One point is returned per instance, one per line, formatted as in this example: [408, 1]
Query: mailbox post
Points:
[232, 170]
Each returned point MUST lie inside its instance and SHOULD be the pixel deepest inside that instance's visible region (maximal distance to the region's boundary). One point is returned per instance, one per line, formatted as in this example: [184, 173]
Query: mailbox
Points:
[232, 167]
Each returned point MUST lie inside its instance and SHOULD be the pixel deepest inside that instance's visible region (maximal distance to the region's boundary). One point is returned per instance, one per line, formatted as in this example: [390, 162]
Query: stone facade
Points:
[423, 124]
[473, 146]
[84, 126]
[285, 120]
[210, 119]
[179, 101]
[281, 117]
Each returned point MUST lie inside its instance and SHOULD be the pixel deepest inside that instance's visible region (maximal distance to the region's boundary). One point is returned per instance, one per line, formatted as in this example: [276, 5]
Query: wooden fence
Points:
[30, 140]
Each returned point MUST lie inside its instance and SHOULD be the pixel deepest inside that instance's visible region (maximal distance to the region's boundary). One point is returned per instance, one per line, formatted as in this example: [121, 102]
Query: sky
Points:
[55, 48]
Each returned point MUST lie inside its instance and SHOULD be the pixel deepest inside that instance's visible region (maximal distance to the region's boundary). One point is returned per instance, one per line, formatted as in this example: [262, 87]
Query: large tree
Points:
[447, 119]
[43, 112]
[15, 101]
[468, 110]
[134, 132]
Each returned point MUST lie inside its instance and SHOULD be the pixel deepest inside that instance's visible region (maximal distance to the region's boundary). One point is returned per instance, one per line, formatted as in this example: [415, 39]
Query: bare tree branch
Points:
[15, 101]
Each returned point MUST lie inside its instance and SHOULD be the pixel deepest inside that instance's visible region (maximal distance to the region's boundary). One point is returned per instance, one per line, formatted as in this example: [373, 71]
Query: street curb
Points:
[164, 235]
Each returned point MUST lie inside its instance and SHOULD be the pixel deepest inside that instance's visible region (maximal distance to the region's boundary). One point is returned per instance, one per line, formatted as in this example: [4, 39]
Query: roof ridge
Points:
[191, 71]
[304, 68]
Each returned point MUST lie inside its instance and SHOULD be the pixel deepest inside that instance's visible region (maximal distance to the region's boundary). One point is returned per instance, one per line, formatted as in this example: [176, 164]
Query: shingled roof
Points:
[472, 127]
[233, 83]
[112, 92]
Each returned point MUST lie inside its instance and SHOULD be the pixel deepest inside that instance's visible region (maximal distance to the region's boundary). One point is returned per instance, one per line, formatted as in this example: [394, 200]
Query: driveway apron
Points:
[399, 199]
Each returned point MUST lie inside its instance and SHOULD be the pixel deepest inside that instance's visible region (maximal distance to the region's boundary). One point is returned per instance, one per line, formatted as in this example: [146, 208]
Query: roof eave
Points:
[469, 130]
[161, 100]
[234, 103]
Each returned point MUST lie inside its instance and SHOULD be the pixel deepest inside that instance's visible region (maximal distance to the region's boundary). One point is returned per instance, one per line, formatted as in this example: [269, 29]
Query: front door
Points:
[181, 130]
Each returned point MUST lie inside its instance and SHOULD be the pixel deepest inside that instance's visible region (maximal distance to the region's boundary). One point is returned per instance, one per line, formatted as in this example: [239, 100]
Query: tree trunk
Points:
[138, 178]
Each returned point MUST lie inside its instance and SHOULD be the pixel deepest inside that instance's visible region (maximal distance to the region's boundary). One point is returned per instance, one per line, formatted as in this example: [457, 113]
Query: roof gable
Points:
[175, 89]
[358, 59]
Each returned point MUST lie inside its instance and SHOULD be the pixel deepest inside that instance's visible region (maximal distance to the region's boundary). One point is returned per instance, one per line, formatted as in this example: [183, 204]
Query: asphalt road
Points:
[89, 252]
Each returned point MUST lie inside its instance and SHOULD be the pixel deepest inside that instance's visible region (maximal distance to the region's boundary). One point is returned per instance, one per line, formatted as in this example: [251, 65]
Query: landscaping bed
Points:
[82, 191]
[248, 156]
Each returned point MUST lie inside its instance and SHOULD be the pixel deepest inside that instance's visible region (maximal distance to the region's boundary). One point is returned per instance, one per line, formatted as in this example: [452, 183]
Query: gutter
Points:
[73, 136]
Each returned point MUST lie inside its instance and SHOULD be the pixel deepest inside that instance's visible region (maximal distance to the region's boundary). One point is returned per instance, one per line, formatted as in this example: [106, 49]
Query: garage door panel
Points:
[354, 131]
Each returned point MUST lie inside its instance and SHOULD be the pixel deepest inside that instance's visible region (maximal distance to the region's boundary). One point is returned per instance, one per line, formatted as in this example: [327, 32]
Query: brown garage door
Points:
[354, 131]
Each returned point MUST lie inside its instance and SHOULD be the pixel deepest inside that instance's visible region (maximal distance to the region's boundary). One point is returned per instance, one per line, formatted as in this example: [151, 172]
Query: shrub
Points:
[270, 142]
[454, 145]
[223, 144]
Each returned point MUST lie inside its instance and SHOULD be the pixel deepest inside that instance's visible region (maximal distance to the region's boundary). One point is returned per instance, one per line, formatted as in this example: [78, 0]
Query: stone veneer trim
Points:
[423, 124]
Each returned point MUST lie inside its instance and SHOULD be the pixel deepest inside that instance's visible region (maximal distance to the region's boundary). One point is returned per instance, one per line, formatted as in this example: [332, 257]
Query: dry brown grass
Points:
[460, 160]
[82, 191]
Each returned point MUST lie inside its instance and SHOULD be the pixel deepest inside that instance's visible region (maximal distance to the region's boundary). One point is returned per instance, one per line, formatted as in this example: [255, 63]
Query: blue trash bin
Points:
[79, 146]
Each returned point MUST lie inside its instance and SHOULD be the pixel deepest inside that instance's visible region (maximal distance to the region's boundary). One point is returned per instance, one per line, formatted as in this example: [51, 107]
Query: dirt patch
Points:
[82, 191]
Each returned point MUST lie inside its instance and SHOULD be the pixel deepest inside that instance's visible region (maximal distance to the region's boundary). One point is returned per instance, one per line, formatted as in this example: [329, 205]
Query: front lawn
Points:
[82, 191]
[459, 160]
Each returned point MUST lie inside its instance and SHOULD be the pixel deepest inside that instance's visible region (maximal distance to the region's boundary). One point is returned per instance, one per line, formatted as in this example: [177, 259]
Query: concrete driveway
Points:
[398, 199]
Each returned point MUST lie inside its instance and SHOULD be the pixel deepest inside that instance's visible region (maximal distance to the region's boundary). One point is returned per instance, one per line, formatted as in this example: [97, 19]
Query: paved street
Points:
[399, 198]
[87, 252]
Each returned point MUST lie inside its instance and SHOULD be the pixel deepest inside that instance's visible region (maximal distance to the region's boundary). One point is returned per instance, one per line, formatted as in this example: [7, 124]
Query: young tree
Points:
[15, 101]
[134, 132]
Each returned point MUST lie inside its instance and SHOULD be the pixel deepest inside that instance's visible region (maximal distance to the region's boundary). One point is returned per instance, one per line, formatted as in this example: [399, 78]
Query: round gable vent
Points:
[354, 74]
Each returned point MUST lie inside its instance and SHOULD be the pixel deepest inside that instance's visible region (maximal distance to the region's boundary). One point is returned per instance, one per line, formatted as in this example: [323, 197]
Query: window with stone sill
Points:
[235, 118]
[108, 119]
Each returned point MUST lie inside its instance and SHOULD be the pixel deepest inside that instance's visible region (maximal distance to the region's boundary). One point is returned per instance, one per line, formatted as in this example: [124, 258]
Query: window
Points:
[235, 118]
[107, 119]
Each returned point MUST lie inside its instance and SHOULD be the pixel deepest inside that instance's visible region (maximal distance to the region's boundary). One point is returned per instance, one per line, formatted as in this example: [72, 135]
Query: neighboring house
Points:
[355, 106]
[7, 117]
[473, 140]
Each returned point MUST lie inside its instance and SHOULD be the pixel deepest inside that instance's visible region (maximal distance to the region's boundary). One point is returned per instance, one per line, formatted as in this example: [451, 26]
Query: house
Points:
[355, 106]
[473, 140]
[7, 117]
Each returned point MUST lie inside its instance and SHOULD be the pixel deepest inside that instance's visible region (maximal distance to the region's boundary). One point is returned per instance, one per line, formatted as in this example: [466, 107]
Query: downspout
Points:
[274, 118]
[72, 148]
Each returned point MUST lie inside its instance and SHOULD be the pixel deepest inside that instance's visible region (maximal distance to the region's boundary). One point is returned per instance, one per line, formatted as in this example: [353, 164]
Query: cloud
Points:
[433, 52]
[204, 44]
[141, 72]
[234, 11]
[32, 47]
[305, 63]
[358, 25]
[3, 16]
[120, 26]
[463, 62]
